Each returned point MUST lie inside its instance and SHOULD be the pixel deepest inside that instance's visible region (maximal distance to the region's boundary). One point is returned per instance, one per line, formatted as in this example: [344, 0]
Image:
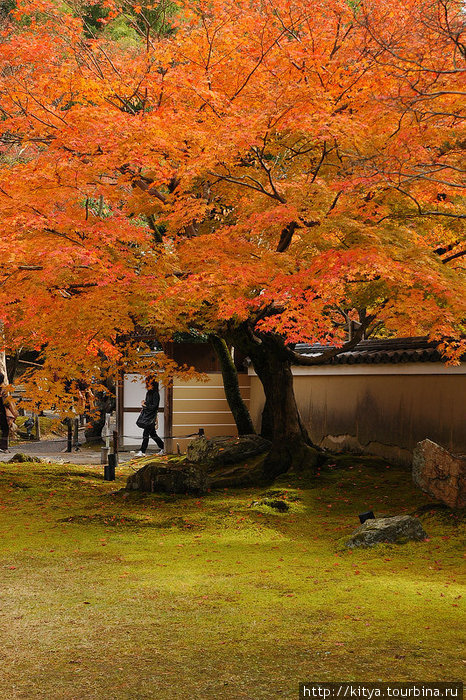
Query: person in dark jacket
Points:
[151, 406]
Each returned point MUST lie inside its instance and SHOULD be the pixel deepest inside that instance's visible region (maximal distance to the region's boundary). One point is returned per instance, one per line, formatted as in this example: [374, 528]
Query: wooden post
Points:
[107, 431]
[120, 385]
[168, 418]
[113, 458]
[104, 451]
[76, 433]
[37, 426]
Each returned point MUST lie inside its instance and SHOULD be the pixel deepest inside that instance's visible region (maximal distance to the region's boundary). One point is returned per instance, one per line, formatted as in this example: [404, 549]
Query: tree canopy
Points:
[273, 171]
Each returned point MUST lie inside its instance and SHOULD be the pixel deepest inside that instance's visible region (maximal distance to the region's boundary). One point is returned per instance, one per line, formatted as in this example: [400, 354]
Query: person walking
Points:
[8, 413]
[148, 418]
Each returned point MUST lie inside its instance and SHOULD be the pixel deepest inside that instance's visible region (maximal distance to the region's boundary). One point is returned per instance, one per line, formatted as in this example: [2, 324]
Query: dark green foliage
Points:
[130, 24]
[92, 16]
[6, 6]
[158, 19]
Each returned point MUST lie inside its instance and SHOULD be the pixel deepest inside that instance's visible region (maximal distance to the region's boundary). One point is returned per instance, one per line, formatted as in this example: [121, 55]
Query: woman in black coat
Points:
[150, 410]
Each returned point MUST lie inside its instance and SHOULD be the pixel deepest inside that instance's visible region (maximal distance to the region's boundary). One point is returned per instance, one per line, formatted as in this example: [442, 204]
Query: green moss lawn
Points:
[143, 596]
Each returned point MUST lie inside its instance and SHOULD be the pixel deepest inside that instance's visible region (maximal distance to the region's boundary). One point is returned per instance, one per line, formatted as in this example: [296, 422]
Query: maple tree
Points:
[267, 172]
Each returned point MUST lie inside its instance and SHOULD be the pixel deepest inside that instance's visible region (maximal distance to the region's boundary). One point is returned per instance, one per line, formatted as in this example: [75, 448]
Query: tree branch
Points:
[333, 352]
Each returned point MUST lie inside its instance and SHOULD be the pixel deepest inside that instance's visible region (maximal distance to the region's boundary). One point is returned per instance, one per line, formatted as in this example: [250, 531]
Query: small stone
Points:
[440, 474]
[276, 504]
[397, 529]
[281, 506]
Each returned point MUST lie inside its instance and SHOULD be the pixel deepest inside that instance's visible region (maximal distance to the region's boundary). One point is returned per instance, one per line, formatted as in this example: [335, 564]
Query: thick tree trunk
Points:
[281, 422]
[11, 367]
[232, 391]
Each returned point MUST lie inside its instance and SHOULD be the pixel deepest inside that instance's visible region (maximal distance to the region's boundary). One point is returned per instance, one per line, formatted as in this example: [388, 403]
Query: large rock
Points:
[397, 529]
[224, 451]
[22, 457]
[230, 462]
[440, 474]
[160, 478]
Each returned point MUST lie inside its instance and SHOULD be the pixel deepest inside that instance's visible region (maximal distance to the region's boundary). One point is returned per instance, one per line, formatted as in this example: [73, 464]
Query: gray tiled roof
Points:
[388, 351]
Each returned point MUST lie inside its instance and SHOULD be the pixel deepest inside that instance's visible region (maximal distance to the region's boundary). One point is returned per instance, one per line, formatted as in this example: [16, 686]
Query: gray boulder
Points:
[440, 474]
[225, 451]
[397, 529]
[160, 478]
[230, 462]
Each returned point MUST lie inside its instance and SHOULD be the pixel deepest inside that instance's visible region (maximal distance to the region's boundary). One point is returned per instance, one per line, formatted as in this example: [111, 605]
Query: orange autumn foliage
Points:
[288, 165]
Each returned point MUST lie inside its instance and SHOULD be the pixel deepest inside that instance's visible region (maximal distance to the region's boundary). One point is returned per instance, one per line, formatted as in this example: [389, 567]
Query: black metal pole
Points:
[109, 469]
[70, 435]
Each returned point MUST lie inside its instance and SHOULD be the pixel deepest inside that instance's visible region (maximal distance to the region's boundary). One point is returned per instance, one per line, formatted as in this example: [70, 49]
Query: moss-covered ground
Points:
[105, 595]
